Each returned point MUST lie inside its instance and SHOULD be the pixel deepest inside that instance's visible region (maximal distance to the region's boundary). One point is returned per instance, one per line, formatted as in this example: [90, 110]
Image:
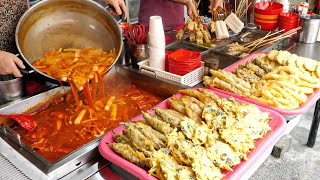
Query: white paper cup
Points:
[157, 58]
[155, 25]
[156, 41]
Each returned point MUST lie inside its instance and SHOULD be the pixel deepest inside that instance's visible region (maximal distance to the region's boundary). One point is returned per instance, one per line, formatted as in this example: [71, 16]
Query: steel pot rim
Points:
[43, 2]
[10, 81]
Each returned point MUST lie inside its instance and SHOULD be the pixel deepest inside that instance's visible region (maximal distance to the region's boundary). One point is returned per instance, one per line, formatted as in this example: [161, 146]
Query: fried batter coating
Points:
[149, 128]
[130, 154]
[157, 124]
[167, 117]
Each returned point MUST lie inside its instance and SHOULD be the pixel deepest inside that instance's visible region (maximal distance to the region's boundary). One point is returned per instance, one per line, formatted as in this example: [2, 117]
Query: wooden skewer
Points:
[259, 42]
[255, 41]
[261, 45]
[241, 4]
[245, 10]
[284, 35]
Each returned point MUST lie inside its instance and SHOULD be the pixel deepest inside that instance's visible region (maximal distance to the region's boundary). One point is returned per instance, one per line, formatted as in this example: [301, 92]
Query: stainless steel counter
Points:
[306, 50]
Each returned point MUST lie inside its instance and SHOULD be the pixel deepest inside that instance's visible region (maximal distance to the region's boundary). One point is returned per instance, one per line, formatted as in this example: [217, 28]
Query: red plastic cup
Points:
[267, 26]
[269, 8]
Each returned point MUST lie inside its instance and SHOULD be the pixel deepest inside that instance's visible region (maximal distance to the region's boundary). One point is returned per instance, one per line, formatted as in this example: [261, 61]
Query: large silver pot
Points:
[310, 27]
[54, 24]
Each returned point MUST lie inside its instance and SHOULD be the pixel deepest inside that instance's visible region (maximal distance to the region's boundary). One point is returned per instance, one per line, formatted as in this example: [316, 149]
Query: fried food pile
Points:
[197, 137]
[235, 49]
[75, 65]
[198, 32]
[279, 79]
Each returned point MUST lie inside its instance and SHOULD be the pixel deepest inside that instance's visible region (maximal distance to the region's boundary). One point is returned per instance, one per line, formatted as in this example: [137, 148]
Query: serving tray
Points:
[312, 98]
[278, 125]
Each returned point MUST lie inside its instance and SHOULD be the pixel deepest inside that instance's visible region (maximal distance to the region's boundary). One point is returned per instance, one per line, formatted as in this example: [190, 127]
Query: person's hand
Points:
[216, 4]
[192, 13]
[8, 64]
[119, 6]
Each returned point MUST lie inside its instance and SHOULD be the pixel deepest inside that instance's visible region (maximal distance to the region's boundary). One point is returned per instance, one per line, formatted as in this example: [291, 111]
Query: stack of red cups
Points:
[288, 21]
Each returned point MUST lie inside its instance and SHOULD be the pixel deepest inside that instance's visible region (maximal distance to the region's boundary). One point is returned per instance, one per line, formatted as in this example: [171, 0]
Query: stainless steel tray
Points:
[185, 45]
[88, 151]
[215, 61]
[256, 34]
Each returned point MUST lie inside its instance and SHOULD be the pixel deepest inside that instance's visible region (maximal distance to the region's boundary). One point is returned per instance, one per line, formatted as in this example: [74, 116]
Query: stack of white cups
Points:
[156, 43]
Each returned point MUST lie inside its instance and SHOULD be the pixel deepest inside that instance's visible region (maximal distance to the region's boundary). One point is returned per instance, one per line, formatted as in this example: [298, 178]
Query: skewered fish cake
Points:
[212, 27]
[180, 34]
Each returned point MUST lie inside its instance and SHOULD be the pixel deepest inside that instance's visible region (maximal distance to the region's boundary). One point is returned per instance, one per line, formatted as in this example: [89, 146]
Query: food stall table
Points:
[99, 168]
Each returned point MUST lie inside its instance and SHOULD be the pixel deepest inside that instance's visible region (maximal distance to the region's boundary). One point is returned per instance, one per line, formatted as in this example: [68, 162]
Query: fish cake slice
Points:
[310, 64]
[283, 57]
[272, 55]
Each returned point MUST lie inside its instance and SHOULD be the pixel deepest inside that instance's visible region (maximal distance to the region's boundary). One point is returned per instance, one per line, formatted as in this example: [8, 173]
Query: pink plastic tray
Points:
[278, 125]
[312, 98]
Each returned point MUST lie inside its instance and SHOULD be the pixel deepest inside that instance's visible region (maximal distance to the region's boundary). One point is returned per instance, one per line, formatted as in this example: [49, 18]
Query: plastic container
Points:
[157, 58]
[286, 5]
[155, 25]
[266, 21]
[266, 16]
[270, 8]
[310, 27]
[289, 15]
[277, 124]
[312, 98]
[156, 40]
[288, 21]
[266, 26]
[191, 79]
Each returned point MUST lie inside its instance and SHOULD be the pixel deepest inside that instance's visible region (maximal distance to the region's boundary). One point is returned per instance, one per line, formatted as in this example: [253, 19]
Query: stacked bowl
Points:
[266, 14]
[183, 61]
[288, 21]
[156, 43]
